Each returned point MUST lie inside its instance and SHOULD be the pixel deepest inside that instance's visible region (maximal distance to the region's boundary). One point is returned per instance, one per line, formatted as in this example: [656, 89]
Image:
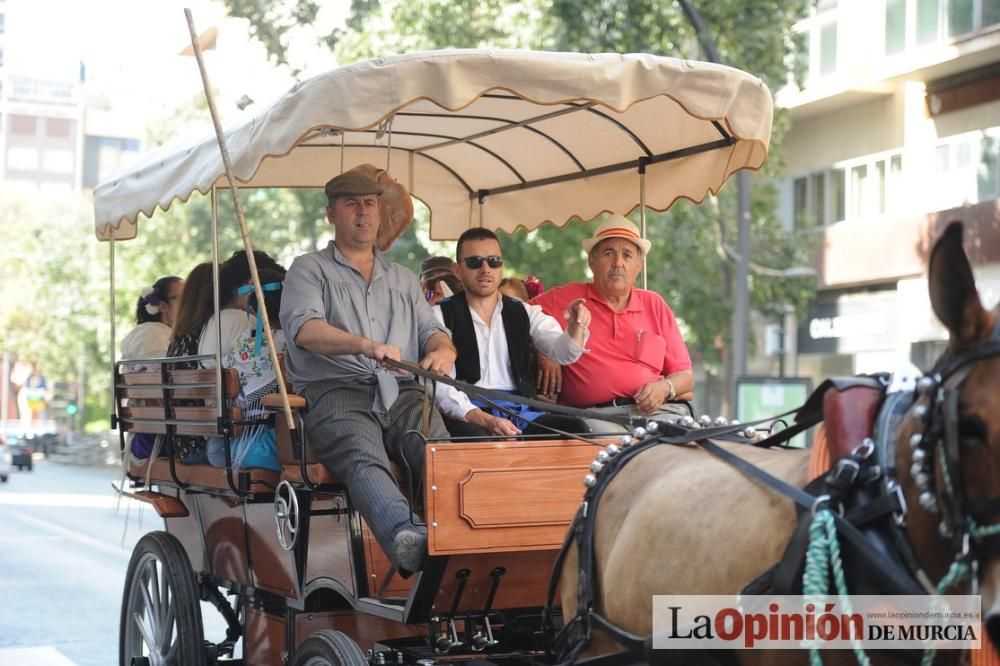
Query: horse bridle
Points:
[936, 456]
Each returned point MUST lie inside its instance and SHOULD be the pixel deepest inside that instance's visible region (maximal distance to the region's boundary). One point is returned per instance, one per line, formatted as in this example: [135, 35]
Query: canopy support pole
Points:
[216, 305]
[642, 212]
[114, 378]
[247, 244]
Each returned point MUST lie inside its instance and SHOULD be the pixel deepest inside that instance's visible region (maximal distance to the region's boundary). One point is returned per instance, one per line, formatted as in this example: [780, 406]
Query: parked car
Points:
[6, 461]
[21, 452]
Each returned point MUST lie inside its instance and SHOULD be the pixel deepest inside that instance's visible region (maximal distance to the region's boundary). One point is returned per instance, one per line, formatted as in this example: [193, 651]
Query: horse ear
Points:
[953, 290]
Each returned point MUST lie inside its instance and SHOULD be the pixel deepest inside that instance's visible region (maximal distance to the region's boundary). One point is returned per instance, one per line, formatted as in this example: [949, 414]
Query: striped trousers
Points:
[356, 444]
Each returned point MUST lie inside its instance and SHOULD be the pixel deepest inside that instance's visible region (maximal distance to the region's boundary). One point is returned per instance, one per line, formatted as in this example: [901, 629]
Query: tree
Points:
[689, 242]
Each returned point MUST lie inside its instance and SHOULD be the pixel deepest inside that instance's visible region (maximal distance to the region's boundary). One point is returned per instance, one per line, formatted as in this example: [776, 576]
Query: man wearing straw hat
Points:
[345, 309]
[638, 361]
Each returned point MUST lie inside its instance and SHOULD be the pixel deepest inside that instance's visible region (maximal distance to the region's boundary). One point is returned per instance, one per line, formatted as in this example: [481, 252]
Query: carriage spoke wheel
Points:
[328, 647]
[161, 613]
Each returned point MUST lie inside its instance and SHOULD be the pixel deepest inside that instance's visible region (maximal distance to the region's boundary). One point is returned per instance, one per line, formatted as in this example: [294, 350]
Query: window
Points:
[863, 188]
[966, 169]
[818, 208]
[988, 174]
[23, 125]
[57, 161]
[927, 21]
[913, 23]
[58, 127]
[859, 191]
[818, 54]
[828, 49]
[20, 158]
[895, 26]
[839, 199]
[960, 17]
[801, 203]
[991, 12]
[3, 23]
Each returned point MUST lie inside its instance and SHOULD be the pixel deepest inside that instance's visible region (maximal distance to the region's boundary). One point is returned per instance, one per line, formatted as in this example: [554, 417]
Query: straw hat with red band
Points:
[617, 226]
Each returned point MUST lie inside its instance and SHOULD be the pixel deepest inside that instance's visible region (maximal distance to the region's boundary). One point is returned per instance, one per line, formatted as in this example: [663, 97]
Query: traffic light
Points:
[71, 408]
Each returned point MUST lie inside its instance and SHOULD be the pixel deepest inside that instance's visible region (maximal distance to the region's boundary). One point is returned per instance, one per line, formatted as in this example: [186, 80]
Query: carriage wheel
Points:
[328, 647]
[161, 612]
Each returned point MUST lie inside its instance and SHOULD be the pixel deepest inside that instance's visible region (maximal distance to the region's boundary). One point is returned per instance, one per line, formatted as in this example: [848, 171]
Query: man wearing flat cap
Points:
[344, 310]
[638, 361]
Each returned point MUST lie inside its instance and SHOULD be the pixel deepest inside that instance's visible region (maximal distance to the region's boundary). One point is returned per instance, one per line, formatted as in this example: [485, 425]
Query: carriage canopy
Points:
[502, 139]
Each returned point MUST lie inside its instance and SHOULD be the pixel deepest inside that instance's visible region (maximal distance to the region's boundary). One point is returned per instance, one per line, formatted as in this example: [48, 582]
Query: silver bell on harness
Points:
[928, 501]
[590, 481]
[603, 457]
[612, 450]
[705, 420]
[639, 432]
[721, 421]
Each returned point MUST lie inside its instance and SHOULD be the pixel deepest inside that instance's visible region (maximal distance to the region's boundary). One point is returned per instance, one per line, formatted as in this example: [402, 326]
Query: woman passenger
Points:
[155, 313]
[256, 446]
[233, 274]
[197, 304]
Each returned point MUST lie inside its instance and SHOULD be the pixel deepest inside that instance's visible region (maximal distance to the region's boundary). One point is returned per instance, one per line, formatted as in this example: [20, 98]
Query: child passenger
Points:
[255, 447]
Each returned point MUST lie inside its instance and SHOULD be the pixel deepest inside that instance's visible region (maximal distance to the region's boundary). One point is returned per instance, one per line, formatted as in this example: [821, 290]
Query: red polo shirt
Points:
[628, 349]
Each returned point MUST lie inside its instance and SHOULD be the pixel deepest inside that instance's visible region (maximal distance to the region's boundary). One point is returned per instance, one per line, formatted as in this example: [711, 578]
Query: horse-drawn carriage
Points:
[484, 138]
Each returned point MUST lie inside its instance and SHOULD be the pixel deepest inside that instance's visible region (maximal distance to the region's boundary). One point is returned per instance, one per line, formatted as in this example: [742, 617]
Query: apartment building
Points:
[895, 132]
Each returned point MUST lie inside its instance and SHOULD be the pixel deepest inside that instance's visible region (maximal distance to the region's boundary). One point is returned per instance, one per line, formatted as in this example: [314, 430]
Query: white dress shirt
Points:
[494, 359]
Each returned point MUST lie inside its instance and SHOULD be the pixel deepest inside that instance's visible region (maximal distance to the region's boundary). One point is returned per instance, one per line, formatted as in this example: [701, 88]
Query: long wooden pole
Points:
[238, 204]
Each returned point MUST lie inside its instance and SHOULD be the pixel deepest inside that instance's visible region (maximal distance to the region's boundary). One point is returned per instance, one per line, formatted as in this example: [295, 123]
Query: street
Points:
[64, 550]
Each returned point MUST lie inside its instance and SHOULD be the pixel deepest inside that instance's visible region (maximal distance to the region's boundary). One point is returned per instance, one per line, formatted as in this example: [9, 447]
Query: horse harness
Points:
[870, 507]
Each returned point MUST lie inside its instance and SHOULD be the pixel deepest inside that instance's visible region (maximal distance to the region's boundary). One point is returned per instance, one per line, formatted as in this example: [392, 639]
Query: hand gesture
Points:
[440, 361]
[577, 317]
[494, 425]
[650, 396]
[379, 352]
[549, 380]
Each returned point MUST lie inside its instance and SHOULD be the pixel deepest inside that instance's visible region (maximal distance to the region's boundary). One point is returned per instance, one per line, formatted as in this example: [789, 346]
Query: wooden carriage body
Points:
[496, 512]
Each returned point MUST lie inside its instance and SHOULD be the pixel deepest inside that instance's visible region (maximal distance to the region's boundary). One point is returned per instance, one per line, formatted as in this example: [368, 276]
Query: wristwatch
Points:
[673, 391]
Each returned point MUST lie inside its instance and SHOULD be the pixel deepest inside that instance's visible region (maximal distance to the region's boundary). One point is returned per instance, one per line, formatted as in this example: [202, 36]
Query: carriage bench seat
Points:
[291, 468]
[204, 476]
[140, 396]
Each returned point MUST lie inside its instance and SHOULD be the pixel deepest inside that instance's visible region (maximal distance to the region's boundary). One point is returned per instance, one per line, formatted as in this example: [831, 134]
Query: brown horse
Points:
[683, 522]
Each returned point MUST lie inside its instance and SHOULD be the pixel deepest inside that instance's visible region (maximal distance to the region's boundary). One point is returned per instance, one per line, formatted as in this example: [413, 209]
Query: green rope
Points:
[822, 557]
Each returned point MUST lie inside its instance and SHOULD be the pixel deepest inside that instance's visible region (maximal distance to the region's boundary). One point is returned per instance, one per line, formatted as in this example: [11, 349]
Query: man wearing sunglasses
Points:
[344, 310]
[495, 336]
[638, 360]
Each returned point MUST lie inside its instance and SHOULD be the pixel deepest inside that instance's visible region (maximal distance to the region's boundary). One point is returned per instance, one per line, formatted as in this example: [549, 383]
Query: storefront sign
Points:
[849, 324]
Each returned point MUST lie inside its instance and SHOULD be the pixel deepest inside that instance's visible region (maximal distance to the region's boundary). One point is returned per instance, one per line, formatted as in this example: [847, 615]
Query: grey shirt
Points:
[390, 309]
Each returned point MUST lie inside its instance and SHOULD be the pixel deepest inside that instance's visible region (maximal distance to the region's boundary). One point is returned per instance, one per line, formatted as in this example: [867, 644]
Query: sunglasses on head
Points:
[475, 263]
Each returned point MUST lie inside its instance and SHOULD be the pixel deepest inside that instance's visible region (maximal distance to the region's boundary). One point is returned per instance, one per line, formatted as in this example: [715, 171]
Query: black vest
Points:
[516, 327]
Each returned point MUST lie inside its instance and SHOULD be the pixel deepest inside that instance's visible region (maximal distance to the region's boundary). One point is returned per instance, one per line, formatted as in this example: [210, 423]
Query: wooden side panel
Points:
[378, 565]
[523, 585]
[188, 532]
[225, 548]
[274, 567]
[329, 553]
[264, 639]
[488, 497]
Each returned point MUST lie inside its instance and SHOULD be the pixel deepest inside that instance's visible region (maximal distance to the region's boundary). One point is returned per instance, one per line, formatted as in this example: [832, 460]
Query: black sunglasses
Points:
[475, 263]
